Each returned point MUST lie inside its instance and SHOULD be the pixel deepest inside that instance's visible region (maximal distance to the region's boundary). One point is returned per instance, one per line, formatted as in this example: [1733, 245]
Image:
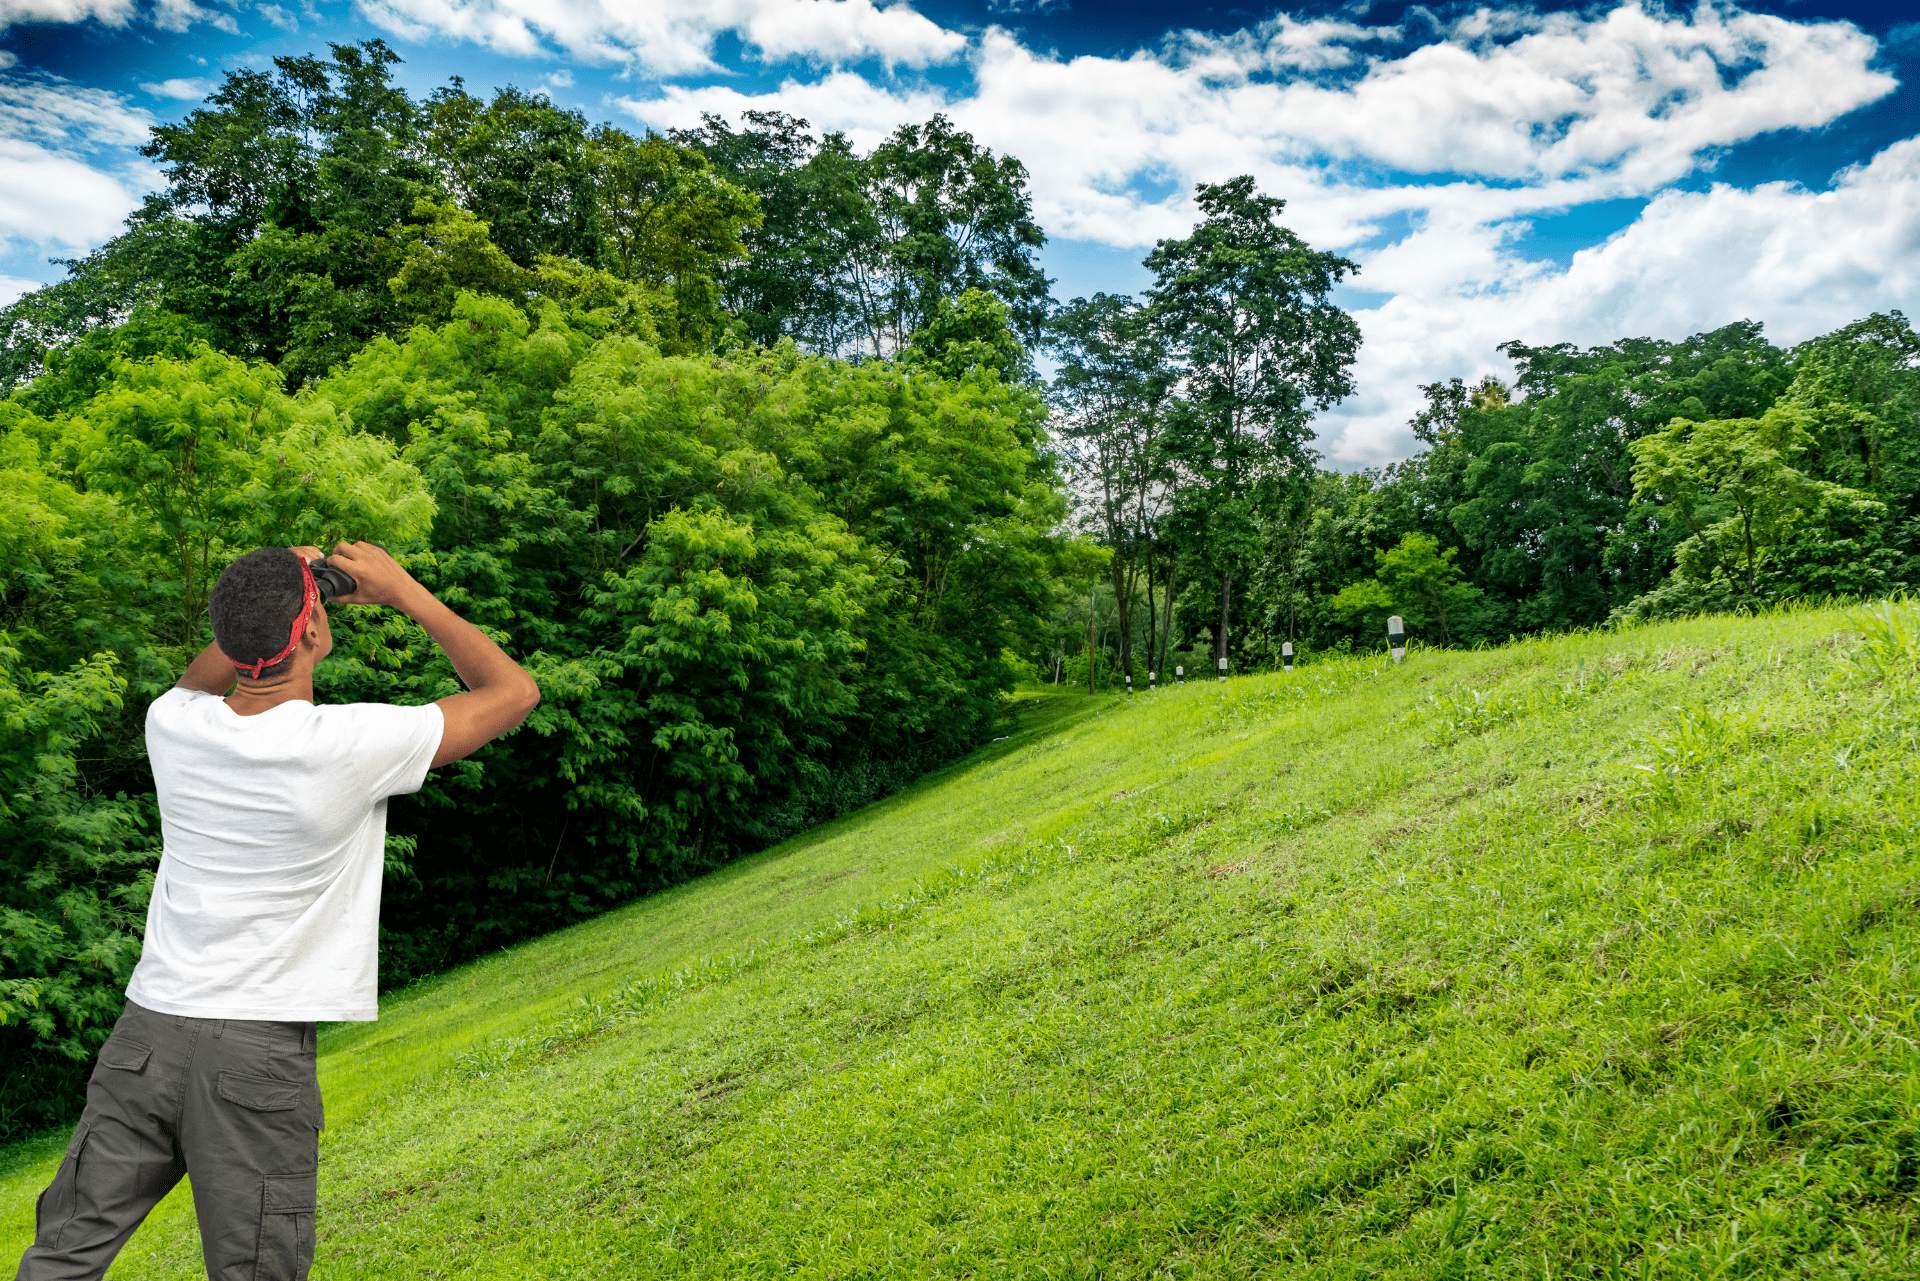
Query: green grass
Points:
[1586, 957]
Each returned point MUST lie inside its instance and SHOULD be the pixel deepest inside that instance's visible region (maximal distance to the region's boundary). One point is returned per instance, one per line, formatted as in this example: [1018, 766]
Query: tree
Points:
[521, 165]
[673, 223]
[1108, 396]
[1732, 482]
[1535, 485]
[946, 215]
[1243, 303]
[1416, 579]
[813, 212]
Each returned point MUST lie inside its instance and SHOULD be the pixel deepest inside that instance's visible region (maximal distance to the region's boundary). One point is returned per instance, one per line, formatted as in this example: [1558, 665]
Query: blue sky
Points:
[1538, 172]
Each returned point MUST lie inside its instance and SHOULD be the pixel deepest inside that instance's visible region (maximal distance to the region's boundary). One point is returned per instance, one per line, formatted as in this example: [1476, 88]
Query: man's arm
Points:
[499, 694]
[210, 672]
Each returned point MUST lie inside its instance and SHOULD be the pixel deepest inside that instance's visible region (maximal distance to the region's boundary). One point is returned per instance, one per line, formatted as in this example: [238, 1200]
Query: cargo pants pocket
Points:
[56, 1207]
[286, 1227]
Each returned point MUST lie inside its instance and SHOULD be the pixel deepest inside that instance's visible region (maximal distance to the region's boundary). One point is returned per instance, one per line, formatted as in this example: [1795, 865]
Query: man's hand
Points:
[378, 578]
[499, 692]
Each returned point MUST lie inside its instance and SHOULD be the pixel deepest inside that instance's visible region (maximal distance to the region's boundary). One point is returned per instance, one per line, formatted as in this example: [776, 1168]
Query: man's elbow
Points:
[529, 696]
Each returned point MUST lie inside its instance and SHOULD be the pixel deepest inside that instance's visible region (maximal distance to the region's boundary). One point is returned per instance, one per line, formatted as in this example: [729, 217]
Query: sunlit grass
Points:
[1587, 957]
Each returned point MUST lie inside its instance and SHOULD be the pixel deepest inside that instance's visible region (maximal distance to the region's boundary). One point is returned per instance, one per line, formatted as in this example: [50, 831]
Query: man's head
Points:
[266, 616]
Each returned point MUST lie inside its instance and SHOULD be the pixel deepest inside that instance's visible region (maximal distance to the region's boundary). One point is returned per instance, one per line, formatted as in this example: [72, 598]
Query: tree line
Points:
[1635, 480]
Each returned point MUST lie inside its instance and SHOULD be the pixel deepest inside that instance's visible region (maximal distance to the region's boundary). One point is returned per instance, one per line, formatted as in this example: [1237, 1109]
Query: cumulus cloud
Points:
[190, 89]
[1567, 110]
[168, 15]
[111, 13]
[1422, 154]
[841, 101]
[675, 37]
[1801, 261]
[52, 191]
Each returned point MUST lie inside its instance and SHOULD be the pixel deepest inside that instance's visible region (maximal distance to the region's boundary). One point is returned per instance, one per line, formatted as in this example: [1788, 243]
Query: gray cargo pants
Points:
[235, 1104]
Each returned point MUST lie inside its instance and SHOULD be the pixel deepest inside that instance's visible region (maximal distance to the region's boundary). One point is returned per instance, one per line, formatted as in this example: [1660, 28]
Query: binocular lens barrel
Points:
[331, 581]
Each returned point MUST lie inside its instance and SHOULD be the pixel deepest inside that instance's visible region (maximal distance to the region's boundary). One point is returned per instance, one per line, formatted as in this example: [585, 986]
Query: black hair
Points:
[253, 606]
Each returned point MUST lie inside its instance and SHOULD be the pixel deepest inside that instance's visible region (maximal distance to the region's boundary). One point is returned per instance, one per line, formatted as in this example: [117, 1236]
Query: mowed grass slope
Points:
[1587, 957]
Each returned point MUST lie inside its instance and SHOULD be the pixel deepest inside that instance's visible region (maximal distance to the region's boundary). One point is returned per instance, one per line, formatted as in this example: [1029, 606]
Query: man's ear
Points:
[318, 633]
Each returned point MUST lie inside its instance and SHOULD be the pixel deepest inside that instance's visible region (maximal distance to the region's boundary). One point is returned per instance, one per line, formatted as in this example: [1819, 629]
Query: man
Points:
[264, 919]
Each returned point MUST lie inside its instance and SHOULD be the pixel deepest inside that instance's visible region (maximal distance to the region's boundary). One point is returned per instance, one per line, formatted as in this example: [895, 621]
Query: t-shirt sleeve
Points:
[166, 710]
[393, 747]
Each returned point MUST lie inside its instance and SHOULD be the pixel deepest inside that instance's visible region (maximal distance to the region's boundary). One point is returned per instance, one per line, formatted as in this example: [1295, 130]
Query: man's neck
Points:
[250, 698]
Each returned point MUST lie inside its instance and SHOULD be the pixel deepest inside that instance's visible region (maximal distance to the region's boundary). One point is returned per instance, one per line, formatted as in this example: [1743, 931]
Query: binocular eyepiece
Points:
[331, 580]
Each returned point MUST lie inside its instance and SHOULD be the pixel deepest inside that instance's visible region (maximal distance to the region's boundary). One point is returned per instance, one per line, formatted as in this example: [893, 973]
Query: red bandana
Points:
[311, 594]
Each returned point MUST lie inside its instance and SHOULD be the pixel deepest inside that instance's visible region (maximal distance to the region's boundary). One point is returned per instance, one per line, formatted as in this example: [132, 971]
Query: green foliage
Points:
[856, 253]
[1109, 396]
[813, 213]
[672, 223]
[1534, 484]
[734, 579]
[312, 208]
[755, 590]
[522, 166]
[1731, 482]
[1243, 307]
[1243, 303]
[75, 873]
[1415, 579]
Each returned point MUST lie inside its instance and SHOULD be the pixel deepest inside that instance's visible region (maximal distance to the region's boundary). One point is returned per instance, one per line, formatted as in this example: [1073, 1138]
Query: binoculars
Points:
[331, 580]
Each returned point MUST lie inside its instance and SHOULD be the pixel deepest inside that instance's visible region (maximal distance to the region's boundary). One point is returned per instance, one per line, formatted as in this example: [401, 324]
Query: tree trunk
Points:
[1152, 632]
[1090, 658]
[1226, 611]
[1166, 627]
[1746, 525]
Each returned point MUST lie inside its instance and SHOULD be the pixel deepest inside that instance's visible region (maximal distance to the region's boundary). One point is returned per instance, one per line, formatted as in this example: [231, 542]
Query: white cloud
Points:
[1802, 262]
[279, 17]
[676, 37]
[58, 112]
[111, 13]
[52, 193]
[168, 15]
[50, 199]
[186, 90]
[11, 287]
[841, 101]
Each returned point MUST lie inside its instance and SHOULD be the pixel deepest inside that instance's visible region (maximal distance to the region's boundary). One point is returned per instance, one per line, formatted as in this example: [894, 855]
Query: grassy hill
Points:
[1586, 957]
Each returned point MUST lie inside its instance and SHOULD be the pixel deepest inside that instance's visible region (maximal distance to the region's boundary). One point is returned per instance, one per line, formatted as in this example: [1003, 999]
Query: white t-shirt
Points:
[267, 902]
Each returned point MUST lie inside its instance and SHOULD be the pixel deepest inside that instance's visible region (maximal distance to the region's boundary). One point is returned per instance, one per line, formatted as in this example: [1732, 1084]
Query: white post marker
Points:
[1286, 655]
[1150, 681]
[1180, 673]
[1397, 637]
[1129, 682]
[1223, 669]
